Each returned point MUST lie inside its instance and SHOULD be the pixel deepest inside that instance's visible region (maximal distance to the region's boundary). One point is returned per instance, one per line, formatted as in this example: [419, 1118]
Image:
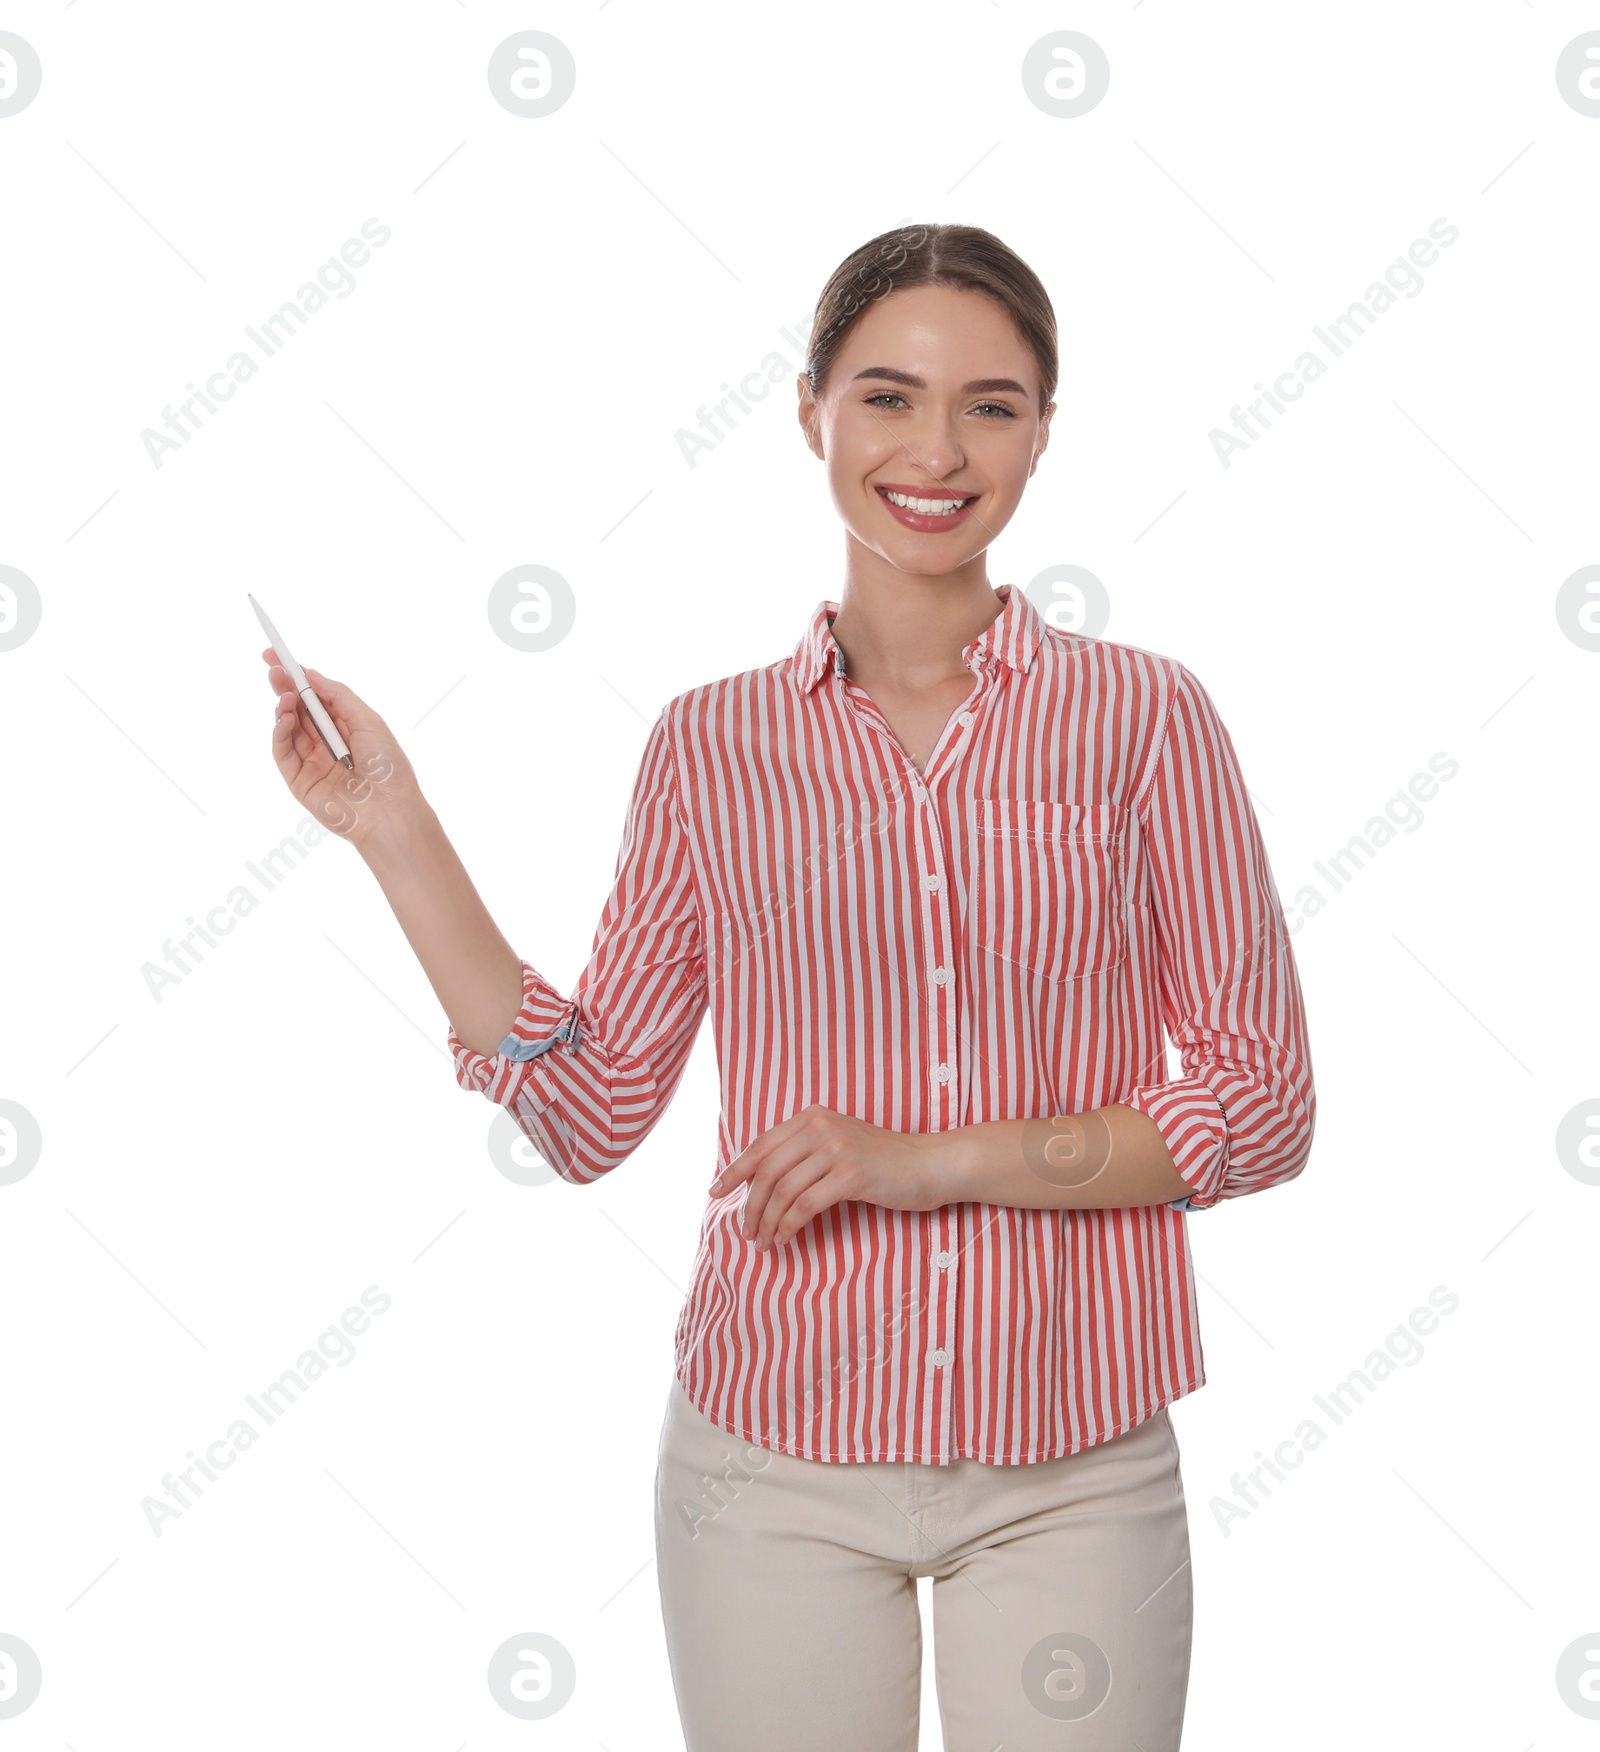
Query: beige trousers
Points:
[1061, 1595]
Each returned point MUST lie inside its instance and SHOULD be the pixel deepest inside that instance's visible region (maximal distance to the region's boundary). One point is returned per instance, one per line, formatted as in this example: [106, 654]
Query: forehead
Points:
[933, 323]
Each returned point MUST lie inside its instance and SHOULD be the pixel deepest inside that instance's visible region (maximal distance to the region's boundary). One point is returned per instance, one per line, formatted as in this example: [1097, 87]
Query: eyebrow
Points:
[978, 386]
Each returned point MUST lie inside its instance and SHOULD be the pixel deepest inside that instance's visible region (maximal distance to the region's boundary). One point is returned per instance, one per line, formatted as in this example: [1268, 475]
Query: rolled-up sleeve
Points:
[587, 1076]
[1240, 1116]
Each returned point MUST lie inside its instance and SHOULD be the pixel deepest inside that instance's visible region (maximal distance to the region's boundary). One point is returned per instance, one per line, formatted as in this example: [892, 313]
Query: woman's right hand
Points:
[358, 805]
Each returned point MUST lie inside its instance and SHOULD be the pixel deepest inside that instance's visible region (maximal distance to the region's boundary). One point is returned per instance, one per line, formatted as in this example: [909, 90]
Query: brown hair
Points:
[933, 255]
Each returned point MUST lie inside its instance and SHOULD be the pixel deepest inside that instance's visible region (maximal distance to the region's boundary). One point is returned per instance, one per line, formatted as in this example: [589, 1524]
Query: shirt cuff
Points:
[547, 1022]
[1194, 1126]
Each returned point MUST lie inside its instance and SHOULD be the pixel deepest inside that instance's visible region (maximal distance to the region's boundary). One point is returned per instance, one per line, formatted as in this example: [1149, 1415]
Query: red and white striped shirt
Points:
[1002, 937]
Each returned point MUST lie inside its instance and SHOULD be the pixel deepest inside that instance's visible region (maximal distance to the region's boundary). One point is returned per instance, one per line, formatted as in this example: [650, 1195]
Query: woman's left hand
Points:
[817, 1157]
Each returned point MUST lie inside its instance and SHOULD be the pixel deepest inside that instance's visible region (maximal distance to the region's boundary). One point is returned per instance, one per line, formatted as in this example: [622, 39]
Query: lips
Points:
[919, 521]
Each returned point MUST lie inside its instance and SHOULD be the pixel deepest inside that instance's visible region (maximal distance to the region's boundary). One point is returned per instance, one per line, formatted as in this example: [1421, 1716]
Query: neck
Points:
[908, 632]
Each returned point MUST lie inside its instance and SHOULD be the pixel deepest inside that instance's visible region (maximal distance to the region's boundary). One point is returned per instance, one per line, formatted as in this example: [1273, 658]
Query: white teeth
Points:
[926, 507]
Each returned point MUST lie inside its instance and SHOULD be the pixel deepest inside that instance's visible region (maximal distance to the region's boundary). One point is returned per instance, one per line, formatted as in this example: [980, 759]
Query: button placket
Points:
[944, 1083]
[946, 1072]
[938, 946]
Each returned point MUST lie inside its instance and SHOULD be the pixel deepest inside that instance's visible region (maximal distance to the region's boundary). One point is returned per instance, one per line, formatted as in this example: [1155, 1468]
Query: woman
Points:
[942, 877]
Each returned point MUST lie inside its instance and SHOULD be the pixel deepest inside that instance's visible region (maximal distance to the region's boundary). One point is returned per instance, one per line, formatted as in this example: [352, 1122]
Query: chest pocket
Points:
[1048, 885]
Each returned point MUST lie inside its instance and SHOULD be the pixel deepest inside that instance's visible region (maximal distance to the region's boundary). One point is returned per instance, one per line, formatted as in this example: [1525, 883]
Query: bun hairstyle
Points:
[963, 256]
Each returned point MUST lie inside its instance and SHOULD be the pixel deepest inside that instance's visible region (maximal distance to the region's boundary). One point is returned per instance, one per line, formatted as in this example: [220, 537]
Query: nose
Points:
[934, 444]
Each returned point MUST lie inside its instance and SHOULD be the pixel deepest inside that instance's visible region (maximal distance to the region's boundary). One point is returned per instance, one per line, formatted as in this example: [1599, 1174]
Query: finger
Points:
[774, 1161]
[808, 1202]
[778, 1151]
[294, 728]
[734, 1175]
[284, 749]
[781, 1195]
[278, 677]
[747, 1163]
[346, 707]
[757, 1154]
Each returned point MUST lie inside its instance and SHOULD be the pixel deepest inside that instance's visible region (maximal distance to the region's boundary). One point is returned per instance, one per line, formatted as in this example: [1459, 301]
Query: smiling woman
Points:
[948, 880]
[951, 294]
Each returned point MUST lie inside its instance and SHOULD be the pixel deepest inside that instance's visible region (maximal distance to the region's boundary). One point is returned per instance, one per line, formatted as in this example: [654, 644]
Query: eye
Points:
[997, 410]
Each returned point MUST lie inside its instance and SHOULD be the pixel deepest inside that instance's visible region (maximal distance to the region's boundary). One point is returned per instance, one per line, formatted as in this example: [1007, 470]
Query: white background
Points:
[223, 1171]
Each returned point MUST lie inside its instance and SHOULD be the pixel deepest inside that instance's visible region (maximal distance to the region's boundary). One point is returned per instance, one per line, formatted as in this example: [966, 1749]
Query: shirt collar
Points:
[1011, 638]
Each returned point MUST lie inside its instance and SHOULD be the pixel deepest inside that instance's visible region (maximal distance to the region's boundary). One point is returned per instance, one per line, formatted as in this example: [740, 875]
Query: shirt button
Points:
[943, 1259]
[963, 717]
[941, 1074]
[941, 976]
[940, 1357]
[933, 883]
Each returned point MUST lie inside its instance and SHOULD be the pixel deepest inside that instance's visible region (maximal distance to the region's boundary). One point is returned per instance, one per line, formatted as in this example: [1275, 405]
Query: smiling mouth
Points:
[928, 513]
[928, 505]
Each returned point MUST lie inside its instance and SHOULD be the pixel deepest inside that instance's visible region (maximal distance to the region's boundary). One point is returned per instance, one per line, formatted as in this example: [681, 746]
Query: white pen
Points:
[306, 691]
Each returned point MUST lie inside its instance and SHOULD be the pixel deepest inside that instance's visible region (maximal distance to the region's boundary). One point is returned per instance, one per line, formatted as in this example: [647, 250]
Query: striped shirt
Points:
[1003, 936]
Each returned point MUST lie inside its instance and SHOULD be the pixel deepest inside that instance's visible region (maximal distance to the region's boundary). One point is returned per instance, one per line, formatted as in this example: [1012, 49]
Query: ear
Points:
[810, 416]
[1043, 440]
